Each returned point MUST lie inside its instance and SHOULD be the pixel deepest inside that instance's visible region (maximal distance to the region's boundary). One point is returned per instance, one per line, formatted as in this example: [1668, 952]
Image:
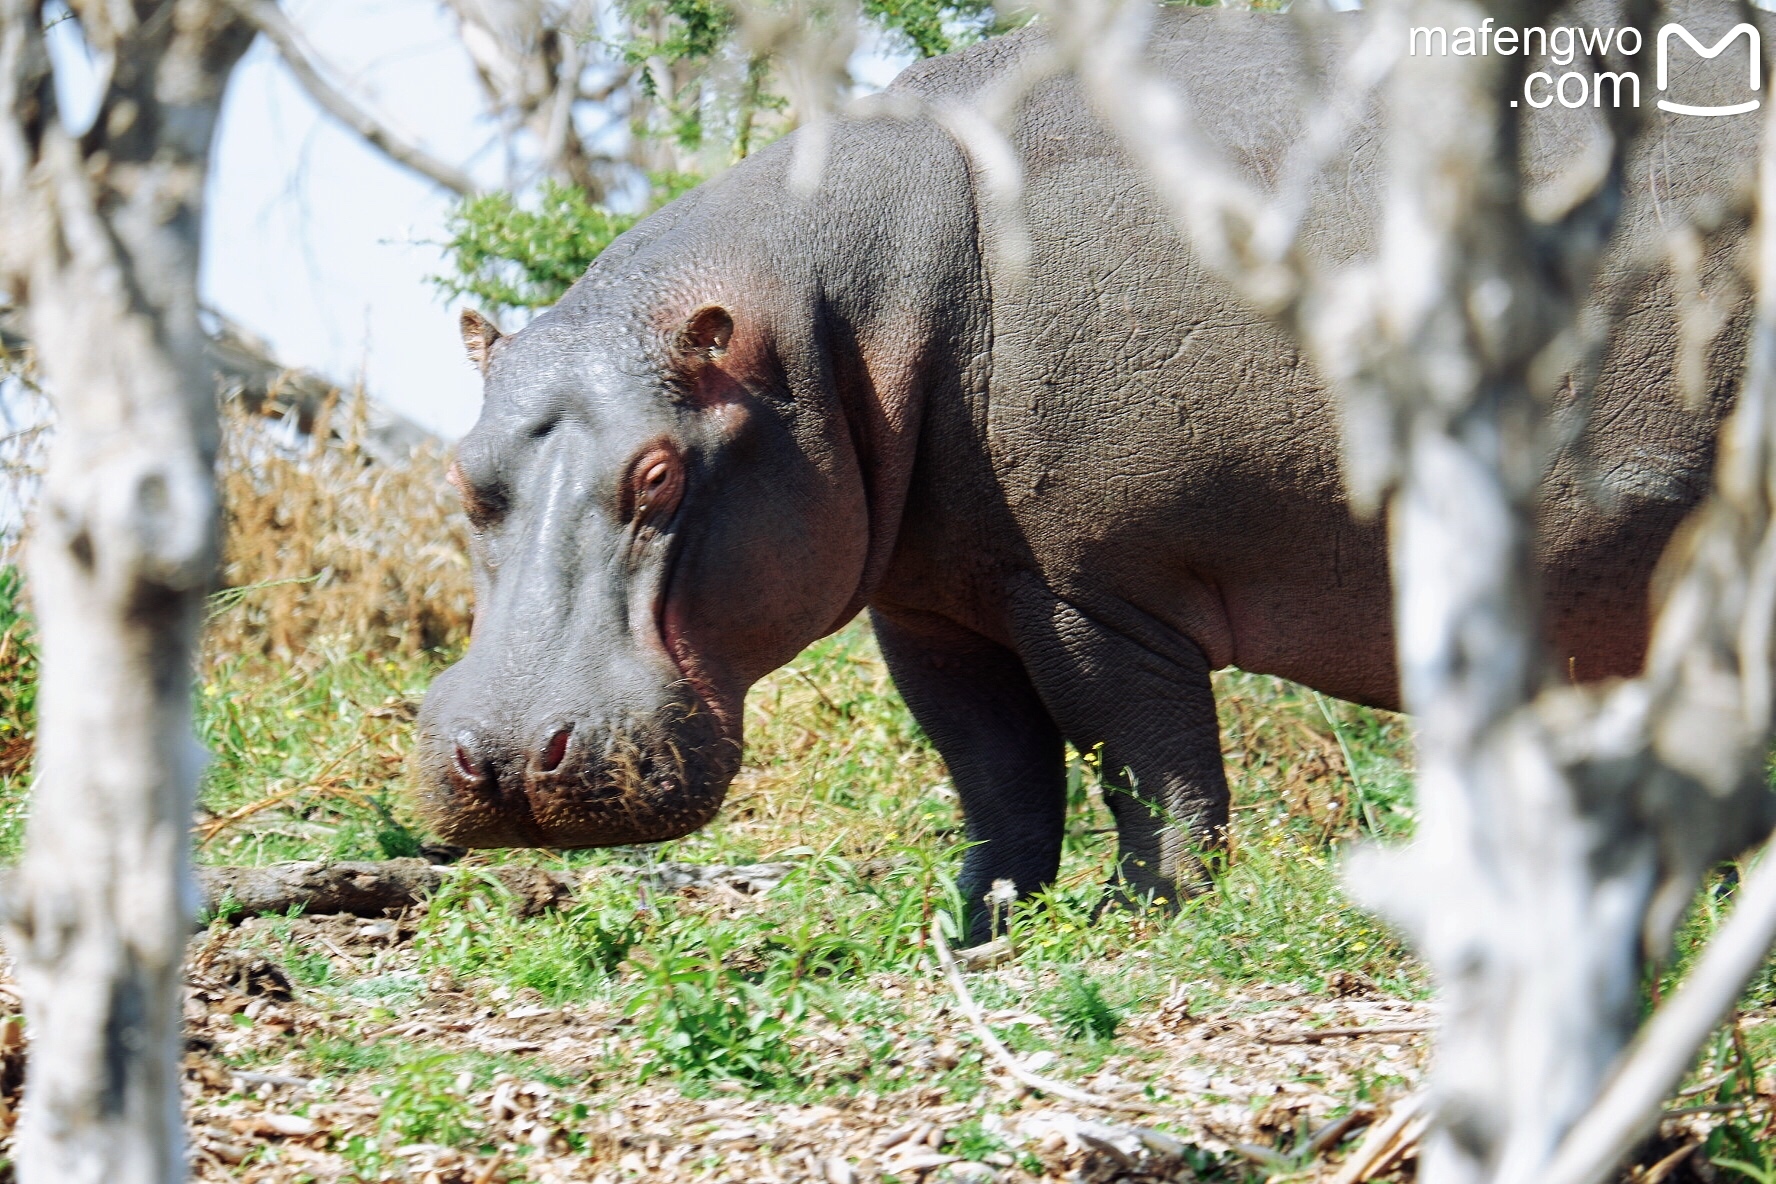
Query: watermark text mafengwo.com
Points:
[1563, 45]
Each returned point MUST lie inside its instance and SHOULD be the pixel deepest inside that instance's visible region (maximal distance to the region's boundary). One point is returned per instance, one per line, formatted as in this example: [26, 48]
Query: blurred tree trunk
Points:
[100, 248]
[1563, 829]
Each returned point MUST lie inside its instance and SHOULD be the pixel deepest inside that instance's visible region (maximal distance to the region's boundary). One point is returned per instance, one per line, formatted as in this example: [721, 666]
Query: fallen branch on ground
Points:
[374, 888]
[366, 889]
[997, 1050]
[1312, 1035]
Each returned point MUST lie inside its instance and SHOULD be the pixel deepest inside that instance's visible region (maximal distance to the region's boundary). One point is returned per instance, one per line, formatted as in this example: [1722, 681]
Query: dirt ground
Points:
[1259, 1087]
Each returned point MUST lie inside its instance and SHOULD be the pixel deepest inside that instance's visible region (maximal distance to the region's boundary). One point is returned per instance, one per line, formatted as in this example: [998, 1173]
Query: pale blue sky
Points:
[316, 242]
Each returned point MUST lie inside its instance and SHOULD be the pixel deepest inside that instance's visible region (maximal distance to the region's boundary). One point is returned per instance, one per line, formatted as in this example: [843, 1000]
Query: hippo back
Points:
[1127, 375]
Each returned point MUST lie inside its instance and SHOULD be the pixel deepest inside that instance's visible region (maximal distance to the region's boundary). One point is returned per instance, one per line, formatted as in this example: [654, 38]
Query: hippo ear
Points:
[703, 338]
[479, 336]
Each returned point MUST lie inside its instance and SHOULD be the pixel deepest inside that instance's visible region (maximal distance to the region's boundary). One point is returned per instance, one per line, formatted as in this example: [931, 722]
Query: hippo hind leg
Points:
[1118, 681]
[1005, 756]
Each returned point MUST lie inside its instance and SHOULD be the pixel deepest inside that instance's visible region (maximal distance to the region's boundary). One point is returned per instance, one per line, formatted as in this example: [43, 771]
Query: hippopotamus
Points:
[1067, 481]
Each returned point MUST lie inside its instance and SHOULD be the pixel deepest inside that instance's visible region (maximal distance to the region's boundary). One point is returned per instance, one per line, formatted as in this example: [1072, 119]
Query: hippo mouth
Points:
[616, 783]
[638, 775]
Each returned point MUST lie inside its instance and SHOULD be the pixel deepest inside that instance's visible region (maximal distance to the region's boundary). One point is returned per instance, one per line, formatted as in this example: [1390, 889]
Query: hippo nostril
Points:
[556, 752]
[467, 767]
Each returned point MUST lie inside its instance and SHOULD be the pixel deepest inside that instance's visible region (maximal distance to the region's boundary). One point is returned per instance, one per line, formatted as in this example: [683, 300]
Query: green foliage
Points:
[1737, 1146]
[701, 1019]
[423, 1102]
[684, 31]
[18, 673]
[970, 1140]
[931, 26]
[423, 1098]
[717, 93]
[396, 839]
[311, 756]
[1740, 1144]
[509, 252]
[340, 1056]
[507, 255]
[18, 708]
[470, 929]
[1081, 1008]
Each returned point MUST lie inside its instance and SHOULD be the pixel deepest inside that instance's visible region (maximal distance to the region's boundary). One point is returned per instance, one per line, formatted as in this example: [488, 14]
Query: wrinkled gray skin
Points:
[1064, 500]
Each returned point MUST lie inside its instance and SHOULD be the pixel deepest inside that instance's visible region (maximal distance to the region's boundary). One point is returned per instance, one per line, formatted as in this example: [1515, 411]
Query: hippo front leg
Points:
[1004, 752]
[1140, 690]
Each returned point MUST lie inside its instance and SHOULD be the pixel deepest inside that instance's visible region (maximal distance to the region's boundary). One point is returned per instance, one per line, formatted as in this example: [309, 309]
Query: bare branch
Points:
[1629, 1107]
[270, 20]
[997, 1050]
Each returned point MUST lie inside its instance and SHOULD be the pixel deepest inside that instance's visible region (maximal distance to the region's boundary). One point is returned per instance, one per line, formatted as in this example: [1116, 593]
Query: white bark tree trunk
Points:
[1562, 829]
[100, 246]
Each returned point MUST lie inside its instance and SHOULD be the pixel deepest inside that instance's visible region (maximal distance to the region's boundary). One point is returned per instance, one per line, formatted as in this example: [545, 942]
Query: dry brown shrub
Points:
[325, 547]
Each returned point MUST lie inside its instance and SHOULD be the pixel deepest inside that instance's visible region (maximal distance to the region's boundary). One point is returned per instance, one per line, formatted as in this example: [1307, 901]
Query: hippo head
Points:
[660, 518]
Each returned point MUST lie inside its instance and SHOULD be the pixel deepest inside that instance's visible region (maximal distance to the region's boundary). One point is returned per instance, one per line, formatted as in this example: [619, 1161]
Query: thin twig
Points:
[1705, 1086]
[247, 1078]
[339, 953]
[1669, 1164]
[1711, 1108]
[1003, 1055]
[270, 20]
[1385, 1140]
[1333, 1133]
[1657, 1061]
[216, 826]
[1314, 1035]
[803, 675]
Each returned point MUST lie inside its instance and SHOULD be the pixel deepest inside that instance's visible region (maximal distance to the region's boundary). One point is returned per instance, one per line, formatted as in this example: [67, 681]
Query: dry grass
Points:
[327, 556]
[322, 544]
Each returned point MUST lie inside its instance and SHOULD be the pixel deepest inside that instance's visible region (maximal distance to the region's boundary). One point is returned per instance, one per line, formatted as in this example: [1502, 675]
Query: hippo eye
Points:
[482, 505]
[655, 485]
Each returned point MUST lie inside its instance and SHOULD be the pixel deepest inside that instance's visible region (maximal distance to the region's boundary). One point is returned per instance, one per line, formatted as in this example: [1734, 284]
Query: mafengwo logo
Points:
[1753, 50]
[1562, 45]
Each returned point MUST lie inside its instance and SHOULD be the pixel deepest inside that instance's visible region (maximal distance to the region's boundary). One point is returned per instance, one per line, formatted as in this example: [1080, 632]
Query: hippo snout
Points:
[570, 780]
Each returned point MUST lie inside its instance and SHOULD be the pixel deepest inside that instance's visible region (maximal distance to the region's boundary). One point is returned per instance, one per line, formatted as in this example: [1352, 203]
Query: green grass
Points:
[18, 709]
[310, 763]
[840, 783]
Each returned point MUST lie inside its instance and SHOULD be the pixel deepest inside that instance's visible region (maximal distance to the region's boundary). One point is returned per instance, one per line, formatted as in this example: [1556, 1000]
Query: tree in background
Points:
[635, 101]
[700, 84]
